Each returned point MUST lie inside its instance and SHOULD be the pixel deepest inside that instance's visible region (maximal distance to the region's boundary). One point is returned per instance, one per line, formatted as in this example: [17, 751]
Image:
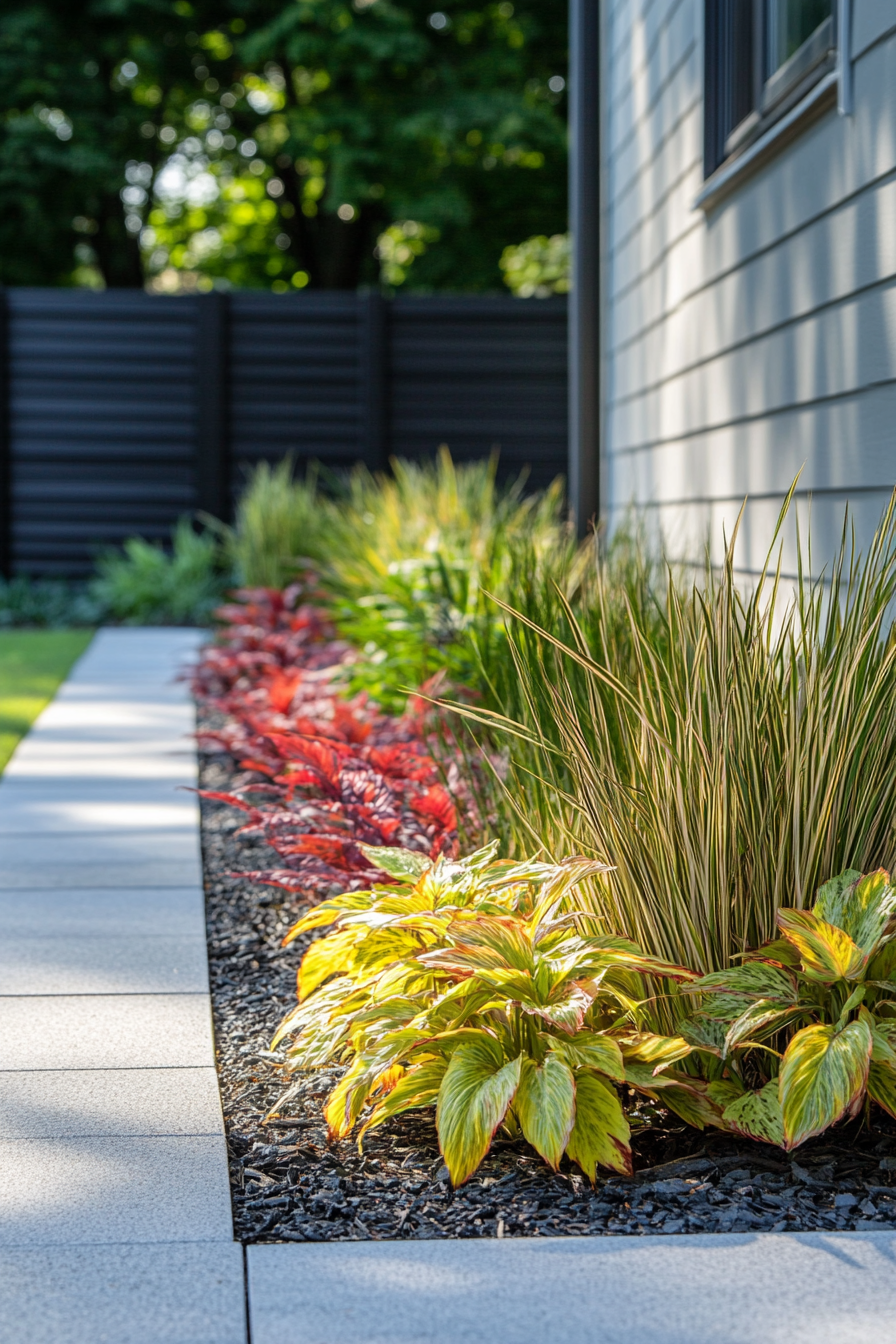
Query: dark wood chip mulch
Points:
[289, 1184]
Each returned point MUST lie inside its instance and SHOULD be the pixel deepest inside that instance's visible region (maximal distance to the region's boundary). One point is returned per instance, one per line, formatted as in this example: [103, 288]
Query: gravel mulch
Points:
[288, 1184]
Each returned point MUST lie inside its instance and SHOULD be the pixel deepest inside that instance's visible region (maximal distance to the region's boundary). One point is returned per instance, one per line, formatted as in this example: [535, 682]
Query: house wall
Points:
[758, 339]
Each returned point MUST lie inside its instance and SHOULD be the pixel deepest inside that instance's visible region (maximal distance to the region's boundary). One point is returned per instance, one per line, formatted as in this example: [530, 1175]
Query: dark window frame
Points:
[741, 100]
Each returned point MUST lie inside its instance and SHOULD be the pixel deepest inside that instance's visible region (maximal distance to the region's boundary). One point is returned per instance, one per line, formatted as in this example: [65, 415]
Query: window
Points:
[762, 56]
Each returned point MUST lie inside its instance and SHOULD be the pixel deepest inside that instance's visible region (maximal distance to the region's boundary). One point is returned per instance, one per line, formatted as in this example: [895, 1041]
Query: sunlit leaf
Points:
[600, 1135]
[823, 1075]
[827, 953]
[475, 1093]
[861, 906]
[397, 862]
[545, 1105]
[417, 1088]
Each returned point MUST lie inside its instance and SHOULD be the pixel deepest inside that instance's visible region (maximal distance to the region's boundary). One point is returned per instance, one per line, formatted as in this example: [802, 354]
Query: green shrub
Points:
[47, 602]
[144, 584]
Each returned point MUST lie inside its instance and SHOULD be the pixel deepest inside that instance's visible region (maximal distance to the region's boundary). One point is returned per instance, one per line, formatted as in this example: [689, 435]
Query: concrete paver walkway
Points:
[115, 1222]
[114, 1201]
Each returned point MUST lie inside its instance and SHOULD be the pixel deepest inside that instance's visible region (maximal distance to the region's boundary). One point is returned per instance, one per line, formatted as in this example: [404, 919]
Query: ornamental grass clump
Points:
[723, 749]
[481, 988]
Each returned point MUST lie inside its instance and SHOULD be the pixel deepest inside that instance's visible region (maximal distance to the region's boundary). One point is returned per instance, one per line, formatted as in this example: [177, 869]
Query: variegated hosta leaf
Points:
[882, 966]
[566, 1011]
[704, 1033]
[778, 950]
[659, 1051]
[883, 1041]
[754, 980]
[406, 863]
[687, 1097]
[600, 1135]
[832, 897]
[756, 1017]
[722, 1091]
[591, 1050]
[347, 1099]
[328, 912]
[476, 1091]
[823, 1075]
[545, 1105]
[332, 955]
[826, 952]
[418, 1087]
[757, 1115]
[882, 1086]
[861, 906]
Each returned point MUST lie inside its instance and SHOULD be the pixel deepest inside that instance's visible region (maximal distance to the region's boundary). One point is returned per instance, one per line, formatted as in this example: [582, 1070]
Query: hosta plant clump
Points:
[478, 987]
[804, 1031]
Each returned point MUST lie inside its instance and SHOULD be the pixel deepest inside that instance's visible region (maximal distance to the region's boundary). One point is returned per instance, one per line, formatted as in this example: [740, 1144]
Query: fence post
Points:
[212, 460]
[584, 300]
[373, 392]
[6, 510]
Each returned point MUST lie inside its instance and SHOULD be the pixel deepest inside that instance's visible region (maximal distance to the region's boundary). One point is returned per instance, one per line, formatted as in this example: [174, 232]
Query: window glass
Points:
[790, 23]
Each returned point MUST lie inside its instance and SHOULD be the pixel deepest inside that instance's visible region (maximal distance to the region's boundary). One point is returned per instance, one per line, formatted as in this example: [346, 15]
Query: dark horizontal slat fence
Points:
[120, 411]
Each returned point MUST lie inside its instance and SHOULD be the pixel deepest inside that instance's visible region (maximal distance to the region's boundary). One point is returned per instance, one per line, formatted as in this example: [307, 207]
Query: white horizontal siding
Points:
[676, 38]
[846, 250]
[746, 345]
[871, 20]
[686, 530]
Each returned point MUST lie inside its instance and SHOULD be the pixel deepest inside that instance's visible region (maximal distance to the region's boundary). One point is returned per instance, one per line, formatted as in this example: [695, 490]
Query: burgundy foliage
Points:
[321, 772]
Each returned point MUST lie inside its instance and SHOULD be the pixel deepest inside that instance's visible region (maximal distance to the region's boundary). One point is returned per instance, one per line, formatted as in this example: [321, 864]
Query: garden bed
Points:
[290, 1184]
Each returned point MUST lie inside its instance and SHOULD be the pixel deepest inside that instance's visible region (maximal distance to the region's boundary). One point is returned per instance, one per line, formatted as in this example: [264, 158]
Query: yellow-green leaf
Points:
[417, 1088]
[545, 1105]
[475, 1093]
[823, 1075]
[827, 953]
[754, 1018]
[723, 1091]
[861, 906]
[332, 955]
[757, 1115]
[652, 1049]
[591, 1050]
[397, 862]
[600, 1135]
[882, 1086]
[346, 1101]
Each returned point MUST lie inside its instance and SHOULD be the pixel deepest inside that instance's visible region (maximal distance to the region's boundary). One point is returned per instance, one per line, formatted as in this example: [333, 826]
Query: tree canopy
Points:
[255, 142]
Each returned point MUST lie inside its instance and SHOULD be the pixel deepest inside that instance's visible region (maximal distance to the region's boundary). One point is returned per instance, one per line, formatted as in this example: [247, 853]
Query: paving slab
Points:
[151, 1294]
[102, 912]
[69, 1103]
[79, 964]
[31, 809]
[115, 1031]
[162, 858]
[62, 1192]
[808, 1288]
[177, 767]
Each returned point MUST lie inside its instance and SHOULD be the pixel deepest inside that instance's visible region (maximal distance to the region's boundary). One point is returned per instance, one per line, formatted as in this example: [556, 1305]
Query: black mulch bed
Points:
[289, 1184]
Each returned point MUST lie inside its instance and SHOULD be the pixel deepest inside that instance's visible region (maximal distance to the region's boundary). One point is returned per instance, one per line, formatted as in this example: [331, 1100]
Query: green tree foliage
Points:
[256, 142]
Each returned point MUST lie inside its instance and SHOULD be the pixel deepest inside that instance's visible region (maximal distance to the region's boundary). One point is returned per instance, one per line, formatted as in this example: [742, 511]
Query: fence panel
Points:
[120, 411]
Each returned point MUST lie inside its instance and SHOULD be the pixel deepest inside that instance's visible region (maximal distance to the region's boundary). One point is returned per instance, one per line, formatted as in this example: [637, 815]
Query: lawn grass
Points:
[32, 664]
